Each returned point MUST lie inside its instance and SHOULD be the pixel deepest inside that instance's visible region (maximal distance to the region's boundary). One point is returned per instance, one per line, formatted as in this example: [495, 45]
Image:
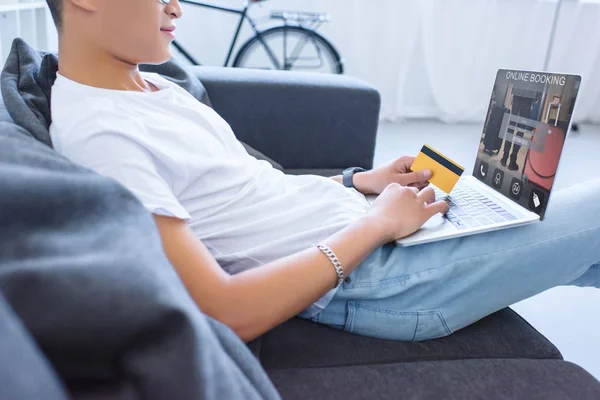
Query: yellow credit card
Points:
[444, 171]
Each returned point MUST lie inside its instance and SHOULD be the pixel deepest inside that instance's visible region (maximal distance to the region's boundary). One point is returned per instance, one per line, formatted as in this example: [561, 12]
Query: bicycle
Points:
[297, 32]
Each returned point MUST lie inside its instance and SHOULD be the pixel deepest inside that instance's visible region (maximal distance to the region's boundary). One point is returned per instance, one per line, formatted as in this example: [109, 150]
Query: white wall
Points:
[433, 58]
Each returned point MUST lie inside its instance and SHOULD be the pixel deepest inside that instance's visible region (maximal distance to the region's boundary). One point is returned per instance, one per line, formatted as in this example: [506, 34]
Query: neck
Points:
[82, 62]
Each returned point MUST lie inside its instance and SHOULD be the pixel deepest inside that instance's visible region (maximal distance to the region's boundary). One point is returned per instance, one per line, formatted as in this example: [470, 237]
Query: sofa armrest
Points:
[301, 120]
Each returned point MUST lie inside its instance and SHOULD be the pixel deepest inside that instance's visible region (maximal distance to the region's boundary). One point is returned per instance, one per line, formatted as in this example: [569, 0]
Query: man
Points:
[521, 108]
[492, 140]
[554, 110]
[240, 234]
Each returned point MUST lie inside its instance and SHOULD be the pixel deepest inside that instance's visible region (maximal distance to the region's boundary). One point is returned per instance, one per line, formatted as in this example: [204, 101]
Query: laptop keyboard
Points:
[470, 208]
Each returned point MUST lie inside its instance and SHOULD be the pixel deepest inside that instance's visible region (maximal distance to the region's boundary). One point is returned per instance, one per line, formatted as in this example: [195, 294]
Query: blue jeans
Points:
[432, 290]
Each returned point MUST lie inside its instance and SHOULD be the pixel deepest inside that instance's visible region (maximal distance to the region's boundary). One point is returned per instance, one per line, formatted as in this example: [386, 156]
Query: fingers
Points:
[408, 160]
[403, 163]
[420, 185]
[427, 195]
[439, 207]
[411, 178]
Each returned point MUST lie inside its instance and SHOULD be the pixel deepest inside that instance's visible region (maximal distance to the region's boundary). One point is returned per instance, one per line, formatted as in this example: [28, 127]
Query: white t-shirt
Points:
[181, 159]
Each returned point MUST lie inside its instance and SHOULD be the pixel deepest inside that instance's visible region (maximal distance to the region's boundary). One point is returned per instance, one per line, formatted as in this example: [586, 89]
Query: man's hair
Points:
[56, 11]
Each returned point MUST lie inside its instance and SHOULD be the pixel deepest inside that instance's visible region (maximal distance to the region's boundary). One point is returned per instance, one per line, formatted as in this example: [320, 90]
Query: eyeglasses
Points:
[165, 1]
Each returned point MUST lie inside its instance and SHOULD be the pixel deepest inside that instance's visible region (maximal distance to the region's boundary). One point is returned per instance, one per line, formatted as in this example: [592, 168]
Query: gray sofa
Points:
[309, 124]
[305, 123]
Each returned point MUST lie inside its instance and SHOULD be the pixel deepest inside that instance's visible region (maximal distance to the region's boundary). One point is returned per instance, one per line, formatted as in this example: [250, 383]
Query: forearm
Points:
[262, 298]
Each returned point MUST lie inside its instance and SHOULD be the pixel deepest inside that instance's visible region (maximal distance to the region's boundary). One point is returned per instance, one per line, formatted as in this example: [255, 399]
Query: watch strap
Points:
[348, 176]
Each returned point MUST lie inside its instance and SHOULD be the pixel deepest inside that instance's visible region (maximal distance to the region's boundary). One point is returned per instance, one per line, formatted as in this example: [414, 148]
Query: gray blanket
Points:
[90, 307]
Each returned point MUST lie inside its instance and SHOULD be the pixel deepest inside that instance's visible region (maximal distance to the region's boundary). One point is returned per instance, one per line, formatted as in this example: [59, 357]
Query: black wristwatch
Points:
[348, 175]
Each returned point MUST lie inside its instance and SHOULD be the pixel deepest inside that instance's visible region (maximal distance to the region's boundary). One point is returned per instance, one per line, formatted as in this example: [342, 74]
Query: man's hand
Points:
[397, 171]
[400, 211]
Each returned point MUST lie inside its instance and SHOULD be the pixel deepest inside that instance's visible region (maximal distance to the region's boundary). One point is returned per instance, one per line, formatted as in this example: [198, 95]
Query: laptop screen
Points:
[524, 134]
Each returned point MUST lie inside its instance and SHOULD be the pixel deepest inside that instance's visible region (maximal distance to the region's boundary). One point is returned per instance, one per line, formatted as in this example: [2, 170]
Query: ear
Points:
[87, 5]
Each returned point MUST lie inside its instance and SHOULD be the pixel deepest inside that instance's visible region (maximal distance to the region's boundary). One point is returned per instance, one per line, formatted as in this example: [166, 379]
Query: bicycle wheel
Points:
[289, 48]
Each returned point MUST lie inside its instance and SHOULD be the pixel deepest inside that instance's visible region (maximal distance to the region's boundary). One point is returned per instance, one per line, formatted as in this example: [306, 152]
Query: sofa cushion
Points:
[90, 297]
[26, 81]
[21, 362]
[4, 115]
[461, 379]
[303, 344]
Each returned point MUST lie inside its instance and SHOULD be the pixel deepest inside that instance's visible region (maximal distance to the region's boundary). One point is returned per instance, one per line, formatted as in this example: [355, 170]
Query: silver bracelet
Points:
[334, 260]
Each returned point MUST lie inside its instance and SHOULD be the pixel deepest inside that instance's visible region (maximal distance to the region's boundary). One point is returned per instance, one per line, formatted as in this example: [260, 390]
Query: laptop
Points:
[523, 136]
